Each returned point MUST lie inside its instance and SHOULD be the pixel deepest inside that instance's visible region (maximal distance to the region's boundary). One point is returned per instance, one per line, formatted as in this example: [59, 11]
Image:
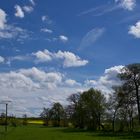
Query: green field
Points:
[38, 132]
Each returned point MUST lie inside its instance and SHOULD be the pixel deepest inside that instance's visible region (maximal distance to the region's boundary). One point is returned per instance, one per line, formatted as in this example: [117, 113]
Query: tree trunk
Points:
[99, 121]
[113, 124]
[113, 121]
[138, 102]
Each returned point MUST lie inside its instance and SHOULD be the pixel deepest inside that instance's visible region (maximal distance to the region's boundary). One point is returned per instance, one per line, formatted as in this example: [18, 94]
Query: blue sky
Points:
[50, 49]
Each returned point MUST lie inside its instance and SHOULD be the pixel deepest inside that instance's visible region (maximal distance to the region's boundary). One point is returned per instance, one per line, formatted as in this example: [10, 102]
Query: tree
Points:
[94, 104]
[121, 107]
[88, 108]
[131, 78]
[115, 103]
[75, 110]
[57, 113]
[45, 115]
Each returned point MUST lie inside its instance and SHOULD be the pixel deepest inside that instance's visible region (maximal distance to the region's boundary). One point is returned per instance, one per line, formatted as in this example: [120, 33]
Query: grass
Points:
[38, 132]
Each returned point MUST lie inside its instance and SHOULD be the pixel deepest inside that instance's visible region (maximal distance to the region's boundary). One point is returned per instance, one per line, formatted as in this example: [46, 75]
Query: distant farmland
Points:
[35, 122]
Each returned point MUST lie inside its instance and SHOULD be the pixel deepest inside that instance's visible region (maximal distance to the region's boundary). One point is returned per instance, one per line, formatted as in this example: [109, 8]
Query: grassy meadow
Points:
[39, 132]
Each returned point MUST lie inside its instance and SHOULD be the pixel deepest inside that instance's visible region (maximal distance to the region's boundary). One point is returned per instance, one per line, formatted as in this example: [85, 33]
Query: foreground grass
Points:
[38, 132]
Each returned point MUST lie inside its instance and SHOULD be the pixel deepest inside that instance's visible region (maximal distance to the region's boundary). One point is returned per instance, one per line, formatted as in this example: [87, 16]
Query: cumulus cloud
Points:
[2, 19]
[43, 56]
[69, 58]
[135, 30]
[28, 9]
[19, 12]
[63, 38]
[48, 80]
[1, 59]
[105, 82]
[46, 19]
[71, 82]
[30, 79]
[46, 30]
[9, 31]
[127, 4]
[16, 80]
[91, 37]
[32, 89]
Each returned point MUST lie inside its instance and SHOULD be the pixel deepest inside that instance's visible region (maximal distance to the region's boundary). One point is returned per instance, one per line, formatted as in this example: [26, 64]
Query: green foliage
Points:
[54, 114]
[88, 109]
[130, 76]
[14, 122]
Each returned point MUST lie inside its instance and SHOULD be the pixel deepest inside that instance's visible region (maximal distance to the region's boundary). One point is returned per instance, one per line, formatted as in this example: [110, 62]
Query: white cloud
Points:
[1, 59]
[105, 82]
[63, 38]
[48, 80]
[2, 19]
[14, 32]
[28, 9]
[18, 58]
[30, 79]
[32, 2]
[46, 30]
[32, 89]
[127, 4]
[72, 83]
[19, 12]
[69, 58]
[16, 80]
[44, 56]
[135, 30]
[101, 10]
[9, 31]
[91, 37]
[46, 19]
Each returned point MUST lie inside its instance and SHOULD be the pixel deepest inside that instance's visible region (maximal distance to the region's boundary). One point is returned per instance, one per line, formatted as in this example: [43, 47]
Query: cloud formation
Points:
[63, 38]
[30, 79]
[109, 7]
[135, 30]
[2, 19]
[46, 19]
[43, 56]
[1, 59]
[46, 30]
[32, 2]
[105, 82]
[69, 58]
[32, 89]
[8, 31]
[28, 9]
[19, 12]
[127, 4]
[91, 37]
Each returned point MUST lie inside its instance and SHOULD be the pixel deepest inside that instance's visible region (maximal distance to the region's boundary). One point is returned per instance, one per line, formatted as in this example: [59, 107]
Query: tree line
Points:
[91, 109]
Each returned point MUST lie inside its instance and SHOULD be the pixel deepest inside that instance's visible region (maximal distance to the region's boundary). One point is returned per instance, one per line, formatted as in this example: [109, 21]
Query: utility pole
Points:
[6, 113]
